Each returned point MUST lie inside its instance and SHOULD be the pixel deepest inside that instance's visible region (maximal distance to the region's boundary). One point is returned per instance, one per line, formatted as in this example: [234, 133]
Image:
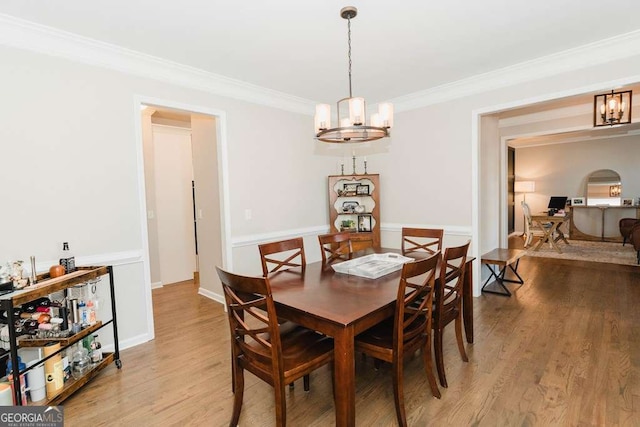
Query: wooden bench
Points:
[502, 258]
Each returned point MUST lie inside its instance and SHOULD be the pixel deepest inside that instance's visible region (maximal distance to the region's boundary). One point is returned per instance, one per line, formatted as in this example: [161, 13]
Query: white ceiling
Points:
[299, 47]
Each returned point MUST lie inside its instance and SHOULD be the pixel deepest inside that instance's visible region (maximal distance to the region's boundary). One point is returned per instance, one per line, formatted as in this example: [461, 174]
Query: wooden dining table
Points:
[342, 306]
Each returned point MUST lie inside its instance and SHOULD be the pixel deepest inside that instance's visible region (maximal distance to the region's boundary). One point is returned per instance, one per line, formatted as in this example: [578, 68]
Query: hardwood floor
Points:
[563, 350]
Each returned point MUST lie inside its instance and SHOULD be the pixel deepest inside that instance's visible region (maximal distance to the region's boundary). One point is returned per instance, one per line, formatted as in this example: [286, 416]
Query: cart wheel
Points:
[118, 364]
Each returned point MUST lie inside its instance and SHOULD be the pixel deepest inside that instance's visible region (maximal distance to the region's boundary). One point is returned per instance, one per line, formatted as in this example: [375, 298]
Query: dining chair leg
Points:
[437, 344]
[458, 326]
[428, 367]
[281, 409]
[238, 391]
[398, 392]
[306, 382]
[376, 363]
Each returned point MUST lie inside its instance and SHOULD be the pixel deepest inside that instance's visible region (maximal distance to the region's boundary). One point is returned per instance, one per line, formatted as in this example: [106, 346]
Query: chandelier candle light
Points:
[352, 122]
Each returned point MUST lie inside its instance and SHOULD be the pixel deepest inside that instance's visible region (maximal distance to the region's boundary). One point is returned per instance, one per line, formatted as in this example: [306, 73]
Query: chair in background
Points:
[634, 238]
[626, 224]
[531, 229]
[335, 247]
[291, 254]
[448, 303]
[261, 347]
[409, 330]
[423, 240]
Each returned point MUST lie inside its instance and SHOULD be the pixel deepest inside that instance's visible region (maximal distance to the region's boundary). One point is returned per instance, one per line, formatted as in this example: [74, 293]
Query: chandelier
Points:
[352, 117]
[612, 108]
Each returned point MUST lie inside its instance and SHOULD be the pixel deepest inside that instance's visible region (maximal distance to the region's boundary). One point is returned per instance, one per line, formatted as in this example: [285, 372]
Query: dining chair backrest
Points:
[282, 254]
[447, 305]
[448, 292]
[414, 301]
[423, 240]
[527, 216]
[255, 337]
[335, 247]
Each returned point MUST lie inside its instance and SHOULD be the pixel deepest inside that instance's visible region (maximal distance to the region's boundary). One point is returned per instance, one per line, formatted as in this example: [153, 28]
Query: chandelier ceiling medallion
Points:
[352, 117]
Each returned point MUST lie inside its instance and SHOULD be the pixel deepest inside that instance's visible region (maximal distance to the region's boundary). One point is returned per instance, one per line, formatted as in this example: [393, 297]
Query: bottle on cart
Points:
[96, 350]
[67, 260]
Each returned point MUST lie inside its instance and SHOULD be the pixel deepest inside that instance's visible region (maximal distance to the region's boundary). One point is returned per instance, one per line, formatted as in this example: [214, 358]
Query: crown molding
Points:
[21, 34]
[592, 54]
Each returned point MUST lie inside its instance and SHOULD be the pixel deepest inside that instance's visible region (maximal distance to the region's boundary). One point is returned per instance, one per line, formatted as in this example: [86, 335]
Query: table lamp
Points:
[524, 187]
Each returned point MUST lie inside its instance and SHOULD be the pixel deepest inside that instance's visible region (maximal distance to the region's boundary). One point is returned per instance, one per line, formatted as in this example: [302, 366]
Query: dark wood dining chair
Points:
[448, 303]
[408, 330]
[260, 346]
[423, 240]
[335, 247]
[282, 254]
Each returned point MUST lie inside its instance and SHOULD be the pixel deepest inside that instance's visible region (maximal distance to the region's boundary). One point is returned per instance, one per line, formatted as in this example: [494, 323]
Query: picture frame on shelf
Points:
[362, 190]
[577, 201]
[364, 223]
[350, 189]
[627, 202]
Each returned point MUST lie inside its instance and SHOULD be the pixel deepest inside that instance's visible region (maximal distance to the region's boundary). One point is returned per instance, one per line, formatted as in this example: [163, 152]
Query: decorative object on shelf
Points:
[353, 157]
[56, 271]
[364, 223]
[365, 165]
[32, 277]
[67, 260]
[352, 127]
[612, 108]
[627, 202]
[577, 201]
[362, 190]
[342, 169]
[347, 225]
[615, 190]
[349, 206]
[349, 189]
[360, 209]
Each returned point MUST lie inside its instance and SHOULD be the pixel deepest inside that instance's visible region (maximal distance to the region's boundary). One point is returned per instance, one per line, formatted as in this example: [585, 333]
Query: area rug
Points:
[613, 253]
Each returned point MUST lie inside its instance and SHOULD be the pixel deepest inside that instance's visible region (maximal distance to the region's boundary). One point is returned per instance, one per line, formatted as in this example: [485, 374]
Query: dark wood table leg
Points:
[345, 378]
[467, 302]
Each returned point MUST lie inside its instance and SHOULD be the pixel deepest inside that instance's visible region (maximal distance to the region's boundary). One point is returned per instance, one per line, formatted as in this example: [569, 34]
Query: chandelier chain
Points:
[349, 41]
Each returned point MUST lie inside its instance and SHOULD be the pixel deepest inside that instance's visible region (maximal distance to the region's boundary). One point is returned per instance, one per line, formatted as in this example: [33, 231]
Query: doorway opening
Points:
[183, 197]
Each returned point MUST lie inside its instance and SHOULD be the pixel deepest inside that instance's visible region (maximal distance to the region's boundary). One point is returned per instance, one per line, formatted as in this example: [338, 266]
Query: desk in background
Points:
[577, 234]
[552, 234]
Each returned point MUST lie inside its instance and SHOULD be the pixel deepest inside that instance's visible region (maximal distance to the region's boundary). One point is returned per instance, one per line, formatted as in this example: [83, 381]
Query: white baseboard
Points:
[211, 295]
[156, 285]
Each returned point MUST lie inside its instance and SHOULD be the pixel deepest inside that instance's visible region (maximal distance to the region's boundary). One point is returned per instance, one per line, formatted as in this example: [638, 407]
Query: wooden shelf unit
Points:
[371, 201]
[45, 286]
